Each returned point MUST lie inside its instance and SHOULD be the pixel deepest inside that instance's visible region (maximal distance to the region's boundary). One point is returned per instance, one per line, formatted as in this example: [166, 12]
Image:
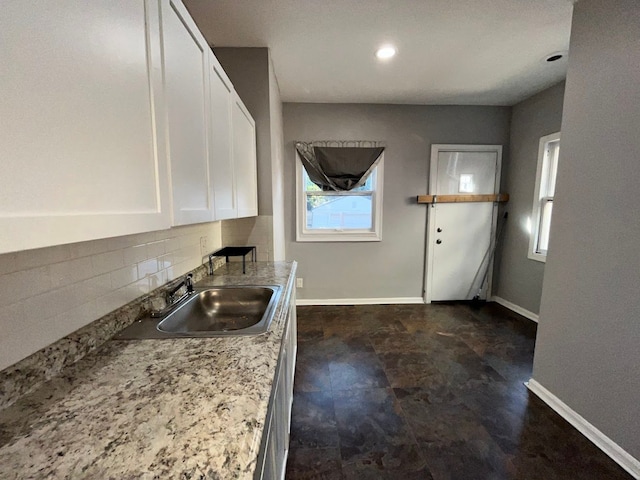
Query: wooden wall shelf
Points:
[500, 197]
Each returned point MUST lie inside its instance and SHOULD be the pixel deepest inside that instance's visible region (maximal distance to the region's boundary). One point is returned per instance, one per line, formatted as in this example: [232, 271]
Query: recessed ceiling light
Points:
[385, 52]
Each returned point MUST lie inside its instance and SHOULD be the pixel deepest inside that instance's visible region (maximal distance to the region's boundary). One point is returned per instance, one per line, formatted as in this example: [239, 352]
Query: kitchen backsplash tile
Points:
[256, 231]
[123, 276]
[113, 300]
[17, 286]
[135, 254]
[156, 280]
[148, 267]
[71, 271]
[49, 292]
[13, 326]
[43, 256]
[165, 261]
[93, 247]
[157, 249]
[8, 263]
[107, 262]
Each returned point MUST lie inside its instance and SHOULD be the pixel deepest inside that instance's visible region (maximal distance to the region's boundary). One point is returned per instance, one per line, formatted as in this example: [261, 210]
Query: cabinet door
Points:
[292, 348]
[244, 158]
[279, 423]
[280, 426]
[80, 122]
[269, 466]
[186, 72]
[220, 152]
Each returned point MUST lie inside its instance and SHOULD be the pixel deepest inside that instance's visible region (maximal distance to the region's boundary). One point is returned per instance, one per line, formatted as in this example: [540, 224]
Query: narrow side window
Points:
[549, 150]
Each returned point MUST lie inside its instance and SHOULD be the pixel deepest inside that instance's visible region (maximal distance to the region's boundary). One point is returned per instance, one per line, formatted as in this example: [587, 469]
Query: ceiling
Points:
[454, 52]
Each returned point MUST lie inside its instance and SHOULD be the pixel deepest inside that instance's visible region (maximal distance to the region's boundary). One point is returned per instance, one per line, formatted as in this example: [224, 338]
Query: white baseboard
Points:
[515, 308]
[599, 439]
[359, 301]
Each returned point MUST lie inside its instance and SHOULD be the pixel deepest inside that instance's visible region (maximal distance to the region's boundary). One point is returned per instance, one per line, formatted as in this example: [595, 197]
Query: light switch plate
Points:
[299, 282]
[203, 246]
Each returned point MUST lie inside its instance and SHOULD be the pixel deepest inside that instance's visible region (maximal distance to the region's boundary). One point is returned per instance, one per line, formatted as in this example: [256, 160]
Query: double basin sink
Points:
[212, 312]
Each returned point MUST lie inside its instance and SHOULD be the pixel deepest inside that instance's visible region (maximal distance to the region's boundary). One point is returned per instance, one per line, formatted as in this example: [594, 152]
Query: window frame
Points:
[337, 235]
[541, 195]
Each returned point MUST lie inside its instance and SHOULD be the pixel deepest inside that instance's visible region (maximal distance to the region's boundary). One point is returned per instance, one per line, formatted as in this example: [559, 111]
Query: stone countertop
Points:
[172, 408]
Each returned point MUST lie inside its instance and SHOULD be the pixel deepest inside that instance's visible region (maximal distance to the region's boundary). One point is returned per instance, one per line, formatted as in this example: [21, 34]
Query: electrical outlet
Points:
[299, 282]
[203, 246]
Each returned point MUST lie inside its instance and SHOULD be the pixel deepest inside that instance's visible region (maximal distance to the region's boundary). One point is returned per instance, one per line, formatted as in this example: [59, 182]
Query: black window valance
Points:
[339, 165]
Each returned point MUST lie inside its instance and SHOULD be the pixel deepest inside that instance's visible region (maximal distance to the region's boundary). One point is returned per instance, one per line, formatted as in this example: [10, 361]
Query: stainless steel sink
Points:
[213, 312]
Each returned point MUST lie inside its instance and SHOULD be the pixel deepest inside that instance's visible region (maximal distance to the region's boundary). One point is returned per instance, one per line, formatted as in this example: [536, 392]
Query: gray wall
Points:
[277, 164]
[393, 267]
[588, 345]
[519, 278]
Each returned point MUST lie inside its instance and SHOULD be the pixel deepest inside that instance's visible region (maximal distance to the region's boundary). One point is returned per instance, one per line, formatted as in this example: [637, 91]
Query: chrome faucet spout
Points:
[211, 255]
[171, 302]
[187, 282]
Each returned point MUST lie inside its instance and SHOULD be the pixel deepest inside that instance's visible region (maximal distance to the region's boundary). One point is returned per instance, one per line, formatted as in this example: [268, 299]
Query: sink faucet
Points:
[171, 302]
[187, 282]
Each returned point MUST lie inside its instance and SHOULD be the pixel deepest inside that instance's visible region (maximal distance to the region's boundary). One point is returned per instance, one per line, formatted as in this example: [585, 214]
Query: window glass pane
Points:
[545, 190]
[545, 225]
[340, 216]
[553, 152]
[343, 212]
[465, 184]
[309, 186]
[368, 185]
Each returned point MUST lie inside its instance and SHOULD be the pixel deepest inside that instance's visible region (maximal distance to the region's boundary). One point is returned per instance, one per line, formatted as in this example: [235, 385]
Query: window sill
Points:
[538, 257]
[339, 237]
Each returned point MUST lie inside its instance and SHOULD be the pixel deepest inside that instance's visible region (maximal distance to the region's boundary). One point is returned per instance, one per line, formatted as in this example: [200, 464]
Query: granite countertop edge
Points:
[171, 408]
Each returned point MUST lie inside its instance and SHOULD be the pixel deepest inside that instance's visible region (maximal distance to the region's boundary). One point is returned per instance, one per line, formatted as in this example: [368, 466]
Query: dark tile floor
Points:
[427, 392]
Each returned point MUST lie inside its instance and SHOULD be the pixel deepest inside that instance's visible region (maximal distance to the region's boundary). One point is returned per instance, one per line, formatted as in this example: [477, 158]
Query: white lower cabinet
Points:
[278, 423]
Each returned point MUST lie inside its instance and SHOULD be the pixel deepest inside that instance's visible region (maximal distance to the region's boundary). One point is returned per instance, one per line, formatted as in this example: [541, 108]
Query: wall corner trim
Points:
[599, 439]
[359, 301]
[515, 308]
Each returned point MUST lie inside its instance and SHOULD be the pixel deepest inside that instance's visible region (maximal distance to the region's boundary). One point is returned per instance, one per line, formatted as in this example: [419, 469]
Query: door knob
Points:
[439, 230]
[438, 241]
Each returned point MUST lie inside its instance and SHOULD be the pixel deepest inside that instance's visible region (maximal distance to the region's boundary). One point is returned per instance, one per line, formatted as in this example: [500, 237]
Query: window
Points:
[548, 152]
[330, 216]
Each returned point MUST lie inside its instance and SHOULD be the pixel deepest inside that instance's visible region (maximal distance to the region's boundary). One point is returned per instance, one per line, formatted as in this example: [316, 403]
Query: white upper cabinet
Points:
[244, 159]
[186, 73]
[111, 113]
[81, 137]
[232, 149]
[211, 134]
[220, 148]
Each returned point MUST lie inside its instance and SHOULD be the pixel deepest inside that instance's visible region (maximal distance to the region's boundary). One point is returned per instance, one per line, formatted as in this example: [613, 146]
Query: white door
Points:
[460, 235]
